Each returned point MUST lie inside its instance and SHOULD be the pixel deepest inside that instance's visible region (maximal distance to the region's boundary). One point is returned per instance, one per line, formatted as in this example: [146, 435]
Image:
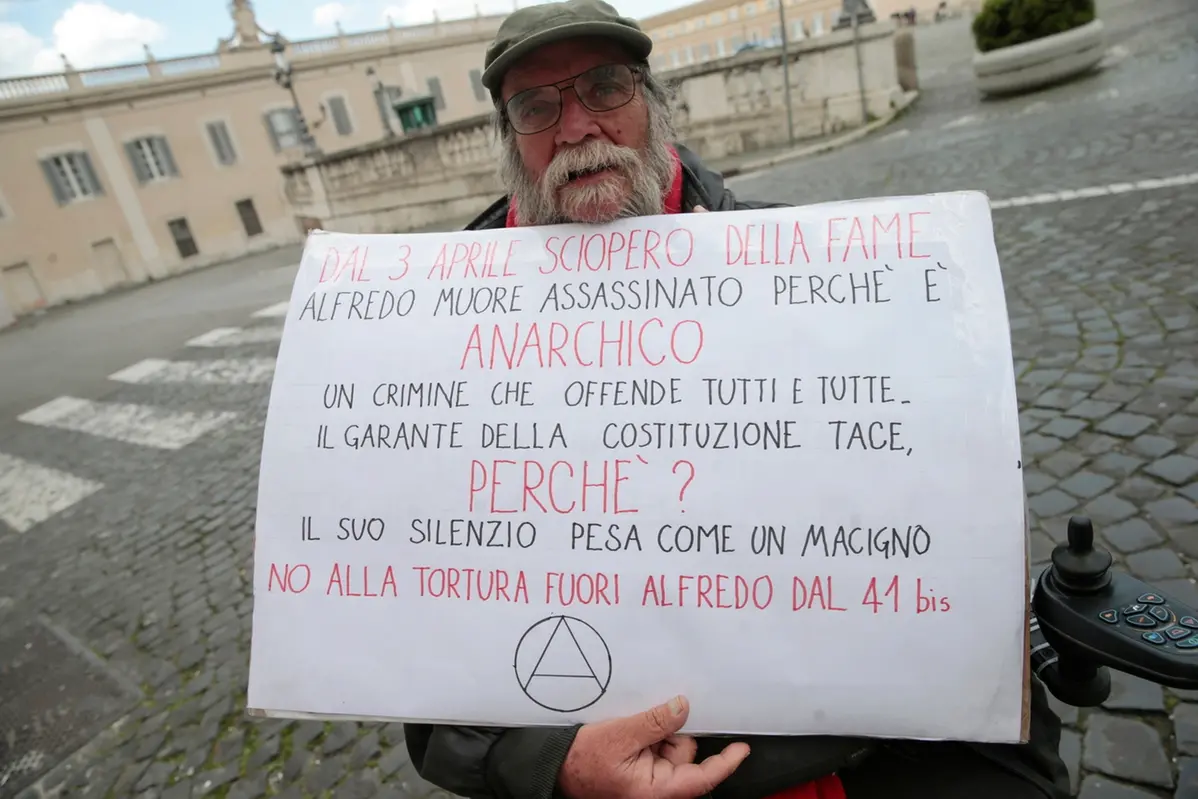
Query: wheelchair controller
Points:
[1089, 619]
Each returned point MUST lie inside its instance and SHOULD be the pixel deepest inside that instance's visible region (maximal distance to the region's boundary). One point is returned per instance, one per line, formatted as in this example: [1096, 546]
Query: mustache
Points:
[589, 157]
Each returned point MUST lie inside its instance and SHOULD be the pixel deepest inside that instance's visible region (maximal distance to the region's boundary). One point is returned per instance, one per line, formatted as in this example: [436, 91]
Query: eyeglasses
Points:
[602, 88]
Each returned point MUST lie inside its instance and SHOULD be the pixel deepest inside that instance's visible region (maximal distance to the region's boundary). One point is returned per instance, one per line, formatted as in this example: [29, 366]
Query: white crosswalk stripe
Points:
[236, 336]
[31, 493]
[214, 372]
[144, 425]
[273, 311]
[968, 119]
[1067, 195]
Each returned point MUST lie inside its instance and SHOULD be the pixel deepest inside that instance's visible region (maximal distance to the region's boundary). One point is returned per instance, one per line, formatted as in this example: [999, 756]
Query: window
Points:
[222, 143]
[750, 9]
[817, 24]
[705, 52]
[283, 126]
[151, 159]
[690, 54]
[700, 23]
[717, 18]
[799, 33]
[733, 14]
[719, 49]
[476, 80]
[340, 113]
[776, 33]
[249, 217]
[434, 88]
[675, 60]
[184, 241]
[71, 177]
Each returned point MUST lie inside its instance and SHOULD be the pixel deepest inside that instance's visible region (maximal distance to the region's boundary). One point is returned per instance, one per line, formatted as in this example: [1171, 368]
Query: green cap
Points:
[535, 26]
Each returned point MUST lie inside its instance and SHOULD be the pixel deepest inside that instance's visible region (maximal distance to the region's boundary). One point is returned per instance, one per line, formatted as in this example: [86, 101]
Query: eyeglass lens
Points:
[603, 88]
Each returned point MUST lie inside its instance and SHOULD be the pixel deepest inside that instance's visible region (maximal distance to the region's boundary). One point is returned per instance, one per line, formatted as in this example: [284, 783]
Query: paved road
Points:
[71, 350]
[126, 502]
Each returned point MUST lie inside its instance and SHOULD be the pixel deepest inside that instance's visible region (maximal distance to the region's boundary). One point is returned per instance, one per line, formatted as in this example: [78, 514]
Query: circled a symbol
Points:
[563, 664]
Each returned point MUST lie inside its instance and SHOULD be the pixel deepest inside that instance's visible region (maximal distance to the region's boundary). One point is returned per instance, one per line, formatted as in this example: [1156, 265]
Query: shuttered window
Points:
[184, 241]
[434, 89]
[282, 125]
[151, 159]
[222, 142]
[340, 114]
[71, 177]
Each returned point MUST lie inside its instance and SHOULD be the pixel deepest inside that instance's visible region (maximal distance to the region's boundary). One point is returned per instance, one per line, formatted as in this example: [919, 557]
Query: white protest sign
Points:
[769, 459]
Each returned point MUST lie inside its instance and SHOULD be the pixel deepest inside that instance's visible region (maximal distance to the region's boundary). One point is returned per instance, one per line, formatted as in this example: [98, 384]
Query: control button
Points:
[1154, 637]
[1189, 621]
[1141, 620]
[1130, 609]
[1152, 599]
[1189, 643]
[1160, 614]
[1112, 617]
[1177, 633]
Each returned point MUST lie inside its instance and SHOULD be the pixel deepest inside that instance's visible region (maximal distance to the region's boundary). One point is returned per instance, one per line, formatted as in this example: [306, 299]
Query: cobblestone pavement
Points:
[129, 566]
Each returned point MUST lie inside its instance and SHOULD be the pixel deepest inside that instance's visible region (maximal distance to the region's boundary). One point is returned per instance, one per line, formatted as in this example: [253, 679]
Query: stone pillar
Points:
[904, 58]
[6, 314]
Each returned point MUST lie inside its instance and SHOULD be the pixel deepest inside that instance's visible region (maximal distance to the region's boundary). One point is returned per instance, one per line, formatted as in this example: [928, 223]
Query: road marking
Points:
[222, 371]
[968, 119]
[144, 425]
[31, 493]
[235, 336]
[1065, 195]
[273, 311]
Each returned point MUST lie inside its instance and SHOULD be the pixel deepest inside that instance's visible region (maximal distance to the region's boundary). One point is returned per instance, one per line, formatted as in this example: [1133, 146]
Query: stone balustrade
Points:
[738, 105]
[23, 88]
[722, 108]
[407, 183]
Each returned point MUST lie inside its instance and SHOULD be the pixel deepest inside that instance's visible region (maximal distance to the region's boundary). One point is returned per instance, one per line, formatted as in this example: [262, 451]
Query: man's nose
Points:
[577, 122]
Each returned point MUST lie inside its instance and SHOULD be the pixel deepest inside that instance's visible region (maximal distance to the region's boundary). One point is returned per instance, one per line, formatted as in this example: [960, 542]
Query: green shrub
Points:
[1003, 23]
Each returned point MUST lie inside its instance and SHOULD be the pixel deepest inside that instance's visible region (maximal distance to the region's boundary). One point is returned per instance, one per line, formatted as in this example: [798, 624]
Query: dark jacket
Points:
[523, 763]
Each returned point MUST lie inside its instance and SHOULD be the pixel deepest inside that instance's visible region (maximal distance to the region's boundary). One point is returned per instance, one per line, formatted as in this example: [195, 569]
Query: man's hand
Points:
[641, 757]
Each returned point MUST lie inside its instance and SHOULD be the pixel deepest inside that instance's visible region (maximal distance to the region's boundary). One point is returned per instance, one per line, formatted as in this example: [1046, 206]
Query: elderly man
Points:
[587, 138]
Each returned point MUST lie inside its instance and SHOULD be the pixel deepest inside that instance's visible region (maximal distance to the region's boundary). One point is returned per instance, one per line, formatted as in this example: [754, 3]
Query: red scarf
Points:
[828, 787]
[673, 198]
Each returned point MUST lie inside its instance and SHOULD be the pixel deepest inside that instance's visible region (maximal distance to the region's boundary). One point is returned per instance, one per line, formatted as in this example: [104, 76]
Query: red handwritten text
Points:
[561, 487]
[483, 585]
[587, 344]
[608, 252]
[867, 233]
[765, 245]
[472, 259]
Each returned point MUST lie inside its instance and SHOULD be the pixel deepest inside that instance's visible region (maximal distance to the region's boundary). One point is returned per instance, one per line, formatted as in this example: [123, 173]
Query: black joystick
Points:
[1077, 567]
[1090, 618]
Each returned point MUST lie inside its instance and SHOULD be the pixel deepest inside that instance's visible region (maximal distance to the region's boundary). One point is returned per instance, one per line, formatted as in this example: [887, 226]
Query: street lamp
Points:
[283, 78]
[381, 97]
[790, 114]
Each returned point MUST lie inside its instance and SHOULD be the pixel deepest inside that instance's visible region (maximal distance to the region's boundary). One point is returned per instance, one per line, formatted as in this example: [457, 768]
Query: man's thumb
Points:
[658, 723]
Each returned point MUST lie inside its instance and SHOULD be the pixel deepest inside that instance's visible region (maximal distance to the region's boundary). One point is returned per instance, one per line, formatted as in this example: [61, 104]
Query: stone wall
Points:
[722, 108]
[399, 184]
[738, 105]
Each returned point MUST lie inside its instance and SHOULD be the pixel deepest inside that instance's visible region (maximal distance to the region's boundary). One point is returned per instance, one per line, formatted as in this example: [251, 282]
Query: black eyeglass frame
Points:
[638, 74]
